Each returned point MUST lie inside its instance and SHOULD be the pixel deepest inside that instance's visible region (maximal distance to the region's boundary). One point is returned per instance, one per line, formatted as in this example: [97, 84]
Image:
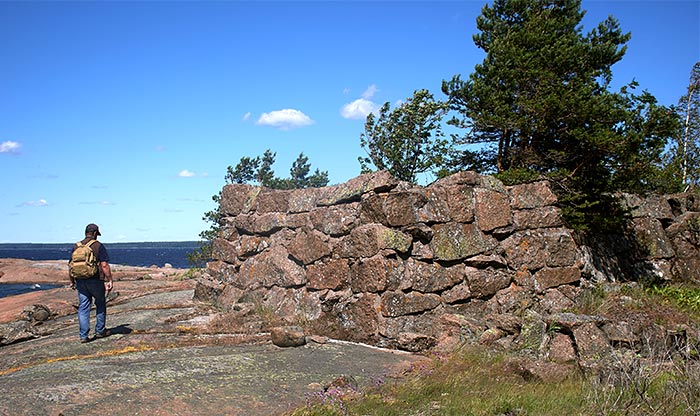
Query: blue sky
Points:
[127, 114]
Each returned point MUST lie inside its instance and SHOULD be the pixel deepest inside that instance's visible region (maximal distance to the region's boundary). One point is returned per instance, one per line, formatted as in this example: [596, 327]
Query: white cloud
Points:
[186, 174]
[39, 203]
[246, 116]
[103, 202]
[369, 92]
[9, 147]
[284, 119]
[360, 108]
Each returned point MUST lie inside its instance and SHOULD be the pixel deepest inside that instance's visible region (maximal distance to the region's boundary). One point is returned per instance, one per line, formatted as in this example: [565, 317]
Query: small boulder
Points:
[37, 313]
[288, 336]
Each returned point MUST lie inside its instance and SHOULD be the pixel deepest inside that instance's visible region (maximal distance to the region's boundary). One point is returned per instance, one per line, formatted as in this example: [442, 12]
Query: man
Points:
[93, 287]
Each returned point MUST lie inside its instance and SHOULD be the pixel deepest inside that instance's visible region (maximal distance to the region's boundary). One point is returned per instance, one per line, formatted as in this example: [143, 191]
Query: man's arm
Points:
[106, 272]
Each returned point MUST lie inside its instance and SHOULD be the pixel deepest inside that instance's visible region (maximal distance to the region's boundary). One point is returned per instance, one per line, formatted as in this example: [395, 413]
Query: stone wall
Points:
[387, 263]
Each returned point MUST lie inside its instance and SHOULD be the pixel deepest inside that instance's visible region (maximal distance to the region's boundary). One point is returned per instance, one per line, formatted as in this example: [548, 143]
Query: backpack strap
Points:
[90, 243]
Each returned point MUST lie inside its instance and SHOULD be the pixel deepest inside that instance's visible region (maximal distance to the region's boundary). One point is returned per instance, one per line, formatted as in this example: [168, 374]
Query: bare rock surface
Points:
[163, 357]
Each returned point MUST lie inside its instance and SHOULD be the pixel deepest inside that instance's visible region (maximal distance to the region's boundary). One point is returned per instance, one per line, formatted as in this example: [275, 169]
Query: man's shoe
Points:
[104, 334]
[84, 340]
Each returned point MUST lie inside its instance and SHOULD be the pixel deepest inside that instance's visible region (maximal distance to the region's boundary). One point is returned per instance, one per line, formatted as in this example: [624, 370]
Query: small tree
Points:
[256, 170]
[407, 140]
[299, 175]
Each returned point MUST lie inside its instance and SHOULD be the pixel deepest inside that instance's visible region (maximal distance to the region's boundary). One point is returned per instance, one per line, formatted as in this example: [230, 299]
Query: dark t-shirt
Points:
[99, 250]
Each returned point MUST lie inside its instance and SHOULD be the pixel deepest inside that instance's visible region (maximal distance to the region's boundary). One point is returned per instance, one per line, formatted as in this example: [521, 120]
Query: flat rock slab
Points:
[212, 380]
[161, 360]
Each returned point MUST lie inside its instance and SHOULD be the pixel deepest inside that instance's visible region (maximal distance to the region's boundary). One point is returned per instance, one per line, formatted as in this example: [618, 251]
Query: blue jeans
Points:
[89, 289]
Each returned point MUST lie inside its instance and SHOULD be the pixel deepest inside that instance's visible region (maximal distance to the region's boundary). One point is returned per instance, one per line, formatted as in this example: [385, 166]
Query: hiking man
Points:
[91, 275]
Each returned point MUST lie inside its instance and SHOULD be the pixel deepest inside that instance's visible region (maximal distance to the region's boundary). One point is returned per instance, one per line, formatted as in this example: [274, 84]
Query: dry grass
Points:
[657, 378]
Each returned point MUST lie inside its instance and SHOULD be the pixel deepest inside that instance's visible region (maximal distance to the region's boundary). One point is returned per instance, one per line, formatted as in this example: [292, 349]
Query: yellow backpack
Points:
[83, 262]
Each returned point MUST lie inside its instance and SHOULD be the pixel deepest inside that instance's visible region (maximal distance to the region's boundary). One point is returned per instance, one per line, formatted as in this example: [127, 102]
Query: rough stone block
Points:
[591, 341]
[543, 217]
[335, 221]
[532, 195]
[652, 239]
[328, 274]
[460, 202]
[484, 283]
[553, 277]
[561, 349]
[369, 275]
[492, 209]
[433, 277]
[367, 240]
[309, 246]
[270, 268]
[399, 303]
[237, 199]
[270, 200]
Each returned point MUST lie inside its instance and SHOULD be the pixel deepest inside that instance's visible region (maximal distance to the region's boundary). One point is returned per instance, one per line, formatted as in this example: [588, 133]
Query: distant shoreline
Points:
[143, 254]
[164, 243]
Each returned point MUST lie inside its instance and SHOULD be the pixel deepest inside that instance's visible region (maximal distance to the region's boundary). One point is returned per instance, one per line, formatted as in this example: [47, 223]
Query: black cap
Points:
[92, 228]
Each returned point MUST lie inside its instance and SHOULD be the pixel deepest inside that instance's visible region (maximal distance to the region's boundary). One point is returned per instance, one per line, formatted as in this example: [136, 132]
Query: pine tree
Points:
[407, 140]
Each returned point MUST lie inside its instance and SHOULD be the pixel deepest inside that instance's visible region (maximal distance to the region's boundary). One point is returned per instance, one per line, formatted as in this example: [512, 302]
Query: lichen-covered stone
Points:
[351, 318]
[652, 239]
[561, 349]
[352, 190]
[366, 241]
[457, 293]
[467, 177]
[460, 202]
[456, 241]
[370, 274]
[264, 224]
[302, 200]
[237, 199]
[532, 331]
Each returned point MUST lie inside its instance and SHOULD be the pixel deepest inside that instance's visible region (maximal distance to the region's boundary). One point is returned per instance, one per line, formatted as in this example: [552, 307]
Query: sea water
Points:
[129, 254]
[10, 289]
